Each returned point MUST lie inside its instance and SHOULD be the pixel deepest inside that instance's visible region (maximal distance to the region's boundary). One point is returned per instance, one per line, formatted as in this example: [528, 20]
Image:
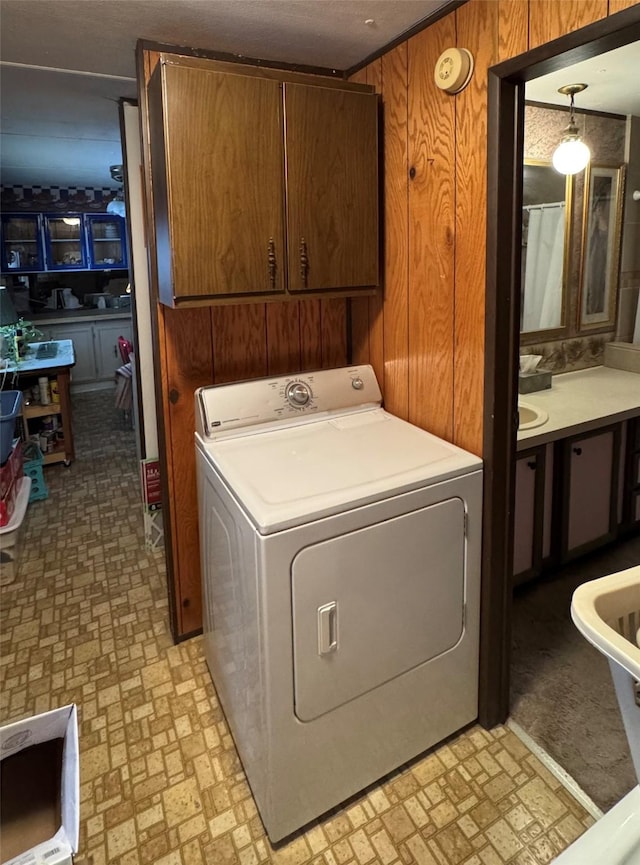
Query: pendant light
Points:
[572, 154]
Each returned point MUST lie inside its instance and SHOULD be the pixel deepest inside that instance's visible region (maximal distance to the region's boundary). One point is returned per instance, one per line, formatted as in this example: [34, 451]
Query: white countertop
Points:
[69, 316]
[64, 357]
[581, 401]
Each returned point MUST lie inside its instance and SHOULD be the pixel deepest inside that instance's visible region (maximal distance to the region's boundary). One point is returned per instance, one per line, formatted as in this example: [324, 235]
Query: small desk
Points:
[57, 367]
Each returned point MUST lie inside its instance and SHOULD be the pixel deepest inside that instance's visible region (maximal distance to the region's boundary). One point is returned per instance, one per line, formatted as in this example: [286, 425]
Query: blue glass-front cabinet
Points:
[22, 248]
[36, 242]
[106, 241]
[64, 239]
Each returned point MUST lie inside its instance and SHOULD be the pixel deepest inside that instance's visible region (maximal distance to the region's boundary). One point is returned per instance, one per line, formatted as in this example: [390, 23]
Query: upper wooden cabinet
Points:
[264, 183]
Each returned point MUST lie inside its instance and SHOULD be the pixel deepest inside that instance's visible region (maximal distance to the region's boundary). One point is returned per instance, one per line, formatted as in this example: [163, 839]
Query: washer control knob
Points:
[357, 383]
[298, 394]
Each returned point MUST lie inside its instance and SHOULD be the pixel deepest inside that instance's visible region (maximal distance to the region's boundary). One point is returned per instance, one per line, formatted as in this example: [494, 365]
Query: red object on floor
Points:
[11, 470]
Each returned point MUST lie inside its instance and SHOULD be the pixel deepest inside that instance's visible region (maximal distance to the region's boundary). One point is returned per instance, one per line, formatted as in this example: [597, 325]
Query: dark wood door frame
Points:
[504, 201]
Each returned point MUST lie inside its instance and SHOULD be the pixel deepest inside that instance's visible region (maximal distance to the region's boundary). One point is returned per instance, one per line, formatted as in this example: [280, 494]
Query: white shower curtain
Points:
[542, 302]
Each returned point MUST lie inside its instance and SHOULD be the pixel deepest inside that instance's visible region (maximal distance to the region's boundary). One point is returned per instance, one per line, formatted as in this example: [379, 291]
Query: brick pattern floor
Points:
[86, 621]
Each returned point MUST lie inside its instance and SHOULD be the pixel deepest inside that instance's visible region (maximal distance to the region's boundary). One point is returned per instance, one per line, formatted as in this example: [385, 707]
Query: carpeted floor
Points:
[561, 689]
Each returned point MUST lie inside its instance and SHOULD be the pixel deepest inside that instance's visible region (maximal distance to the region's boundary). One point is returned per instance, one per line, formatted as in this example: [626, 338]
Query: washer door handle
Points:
[328, 628]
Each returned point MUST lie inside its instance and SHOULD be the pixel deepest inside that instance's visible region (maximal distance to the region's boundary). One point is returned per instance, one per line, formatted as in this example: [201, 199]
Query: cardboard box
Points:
[40, 789]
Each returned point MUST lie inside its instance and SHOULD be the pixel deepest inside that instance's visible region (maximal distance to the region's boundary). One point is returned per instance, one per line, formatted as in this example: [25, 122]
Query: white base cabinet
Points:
[81, 334]
[96, 348]
[107, 353]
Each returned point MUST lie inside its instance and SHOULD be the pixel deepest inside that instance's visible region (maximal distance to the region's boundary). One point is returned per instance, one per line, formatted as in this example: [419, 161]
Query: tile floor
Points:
[86, 620]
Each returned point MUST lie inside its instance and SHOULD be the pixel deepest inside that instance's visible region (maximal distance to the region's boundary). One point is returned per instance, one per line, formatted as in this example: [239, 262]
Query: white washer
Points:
[340, 553]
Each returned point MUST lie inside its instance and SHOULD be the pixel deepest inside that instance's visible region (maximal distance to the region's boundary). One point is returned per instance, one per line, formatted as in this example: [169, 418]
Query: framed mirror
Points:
[546, 227]
[601, 240]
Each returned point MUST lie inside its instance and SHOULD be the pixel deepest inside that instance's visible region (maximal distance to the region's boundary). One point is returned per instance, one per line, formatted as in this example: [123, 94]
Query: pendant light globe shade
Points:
[571, 156]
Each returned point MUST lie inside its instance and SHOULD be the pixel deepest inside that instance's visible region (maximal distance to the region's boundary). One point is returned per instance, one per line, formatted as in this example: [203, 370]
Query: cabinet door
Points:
[332, 187]
[65, 242]
[81, 335]
[106, 241]
[22, 248]
[108, 357]
[528, 515]
[217, 162]
[591, 485]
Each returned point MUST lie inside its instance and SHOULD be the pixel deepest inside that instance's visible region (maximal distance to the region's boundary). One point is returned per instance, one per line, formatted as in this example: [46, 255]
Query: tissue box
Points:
[529, 382]
[40, 789]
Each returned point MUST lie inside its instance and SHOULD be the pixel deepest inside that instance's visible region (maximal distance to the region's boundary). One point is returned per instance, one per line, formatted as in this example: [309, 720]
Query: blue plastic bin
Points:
[9, 411]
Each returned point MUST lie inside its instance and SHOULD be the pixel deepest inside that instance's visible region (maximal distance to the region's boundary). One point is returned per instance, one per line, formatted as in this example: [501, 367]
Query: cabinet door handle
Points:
[271, 257]
[577, 451]
[532, 464]
[304, 262]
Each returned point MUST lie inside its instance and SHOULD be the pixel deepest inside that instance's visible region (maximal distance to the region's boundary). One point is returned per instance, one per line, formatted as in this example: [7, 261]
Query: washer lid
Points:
[286, 477]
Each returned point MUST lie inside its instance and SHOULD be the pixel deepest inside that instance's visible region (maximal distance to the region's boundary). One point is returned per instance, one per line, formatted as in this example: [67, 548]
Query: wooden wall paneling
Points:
[283, 337]
[359, 306]
[376, 311]
[359, 320]
[239, 342]
[619, 5]
[187, 369]
[513, 28]
[396, 241]
[333, 325]
[548, 21]
[478, 27]
[431, 157]
[310, 335]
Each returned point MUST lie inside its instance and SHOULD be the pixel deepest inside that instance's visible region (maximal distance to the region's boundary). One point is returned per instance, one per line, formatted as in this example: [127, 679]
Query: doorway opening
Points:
[506, 84]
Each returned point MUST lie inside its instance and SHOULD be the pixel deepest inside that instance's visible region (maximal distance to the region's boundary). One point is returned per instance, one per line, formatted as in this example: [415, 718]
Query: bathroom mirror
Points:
[546, 221]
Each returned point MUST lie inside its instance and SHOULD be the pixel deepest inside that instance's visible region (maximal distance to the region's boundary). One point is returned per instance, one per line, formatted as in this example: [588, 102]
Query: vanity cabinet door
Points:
[631, 478]
[529, 515]
[590, 490]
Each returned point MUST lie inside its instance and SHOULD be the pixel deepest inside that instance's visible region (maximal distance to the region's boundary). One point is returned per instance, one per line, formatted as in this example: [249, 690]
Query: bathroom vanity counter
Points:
[582, 401]
[577, 473]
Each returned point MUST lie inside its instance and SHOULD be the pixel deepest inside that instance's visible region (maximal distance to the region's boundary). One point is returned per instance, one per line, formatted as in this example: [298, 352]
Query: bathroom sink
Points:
[529, 416]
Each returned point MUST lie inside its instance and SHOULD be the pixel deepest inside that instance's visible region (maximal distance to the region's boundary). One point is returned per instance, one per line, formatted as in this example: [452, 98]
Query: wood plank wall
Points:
[426, 339]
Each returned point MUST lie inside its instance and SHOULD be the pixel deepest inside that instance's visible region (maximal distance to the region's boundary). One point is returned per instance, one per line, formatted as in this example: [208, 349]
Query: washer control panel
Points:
[223, 409]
